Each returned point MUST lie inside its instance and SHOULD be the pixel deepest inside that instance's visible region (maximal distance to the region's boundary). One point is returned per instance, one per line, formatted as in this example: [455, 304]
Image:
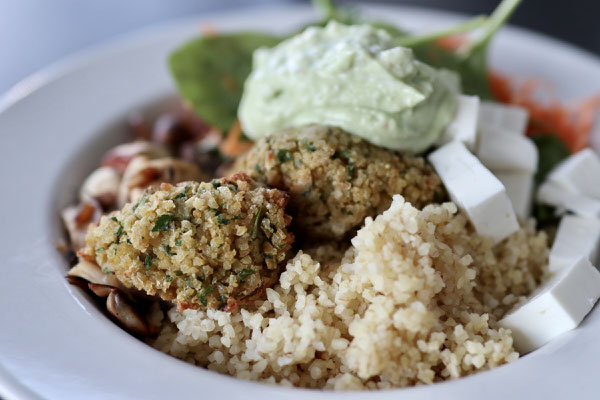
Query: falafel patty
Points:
[336, 179]
[215, 244]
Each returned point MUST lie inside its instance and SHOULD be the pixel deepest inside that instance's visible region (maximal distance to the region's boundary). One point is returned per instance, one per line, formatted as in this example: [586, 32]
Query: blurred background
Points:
[35, 33]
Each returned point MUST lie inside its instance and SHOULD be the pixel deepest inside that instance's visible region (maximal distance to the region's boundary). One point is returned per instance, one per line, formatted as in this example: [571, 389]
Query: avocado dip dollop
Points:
[352, 77]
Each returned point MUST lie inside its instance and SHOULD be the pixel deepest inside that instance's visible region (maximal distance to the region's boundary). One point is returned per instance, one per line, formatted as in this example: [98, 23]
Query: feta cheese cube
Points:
[576, 237]
[504, 151]
[475, 190]
[556, 307]
[512, 119]
[579, 173]
[464, 125]
[519, 187]
[557, 196]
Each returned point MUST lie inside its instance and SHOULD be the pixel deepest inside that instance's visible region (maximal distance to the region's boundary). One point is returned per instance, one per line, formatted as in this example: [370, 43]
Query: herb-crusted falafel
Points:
[335, 179]
[215, 244]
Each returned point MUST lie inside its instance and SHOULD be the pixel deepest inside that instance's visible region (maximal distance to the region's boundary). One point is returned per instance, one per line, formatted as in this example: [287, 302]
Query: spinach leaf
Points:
[551, 152]
[471, 62]
[210, 72]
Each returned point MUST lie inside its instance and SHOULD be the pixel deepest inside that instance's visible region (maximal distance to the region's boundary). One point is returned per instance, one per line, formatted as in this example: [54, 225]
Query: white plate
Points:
[55, 344]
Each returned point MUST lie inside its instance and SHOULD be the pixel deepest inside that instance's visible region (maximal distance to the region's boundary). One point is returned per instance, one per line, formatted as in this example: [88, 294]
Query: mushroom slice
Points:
[143, 172]
[91, 272]
[117, 306]
[100, 290]
[101, 185]
[120, 156]
[77, 219]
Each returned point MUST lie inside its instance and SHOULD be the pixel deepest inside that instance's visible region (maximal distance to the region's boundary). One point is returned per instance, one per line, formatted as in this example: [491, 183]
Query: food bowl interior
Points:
[57, 334]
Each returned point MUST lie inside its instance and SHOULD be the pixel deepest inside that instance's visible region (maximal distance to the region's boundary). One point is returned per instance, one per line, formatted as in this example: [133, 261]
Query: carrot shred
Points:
[572, 123]
[452, 42]
[233, 145]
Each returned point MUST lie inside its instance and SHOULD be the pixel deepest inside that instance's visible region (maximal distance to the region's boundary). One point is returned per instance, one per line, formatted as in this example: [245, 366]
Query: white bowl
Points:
[55, 343]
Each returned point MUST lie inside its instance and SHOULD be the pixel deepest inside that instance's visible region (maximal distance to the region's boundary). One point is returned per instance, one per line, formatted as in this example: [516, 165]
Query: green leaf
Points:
[551, 152]
[256, 222]
[471, 62]
[210, 72]
[245, 274]
[283, 156]
[162, 223]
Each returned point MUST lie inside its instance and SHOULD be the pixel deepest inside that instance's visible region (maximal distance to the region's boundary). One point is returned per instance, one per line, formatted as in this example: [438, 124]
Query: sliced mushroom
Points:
[143, 172]
[77, 219]
[120, 156]
[100, 290]
[118, 306]
[91, 272]
[101, 185]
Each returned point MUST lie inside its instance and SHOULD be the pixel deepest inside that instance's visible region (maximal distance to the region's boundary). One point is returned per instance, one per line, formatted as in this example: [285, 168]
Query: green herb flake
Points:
[178, 242]
[100, 250]
[350, 169]
[245, 274]
[308, 145]
[183, 194]
[148, 261]
[284, 156]
[106, 271]
[167, 250]
[216, 183]
[222, 220]
[120, 232]
[206, 291]
[236, 217]
[178, 273]
[141, 201]
[162, 223]
[169, 278]
[258, 169]
[256, 222]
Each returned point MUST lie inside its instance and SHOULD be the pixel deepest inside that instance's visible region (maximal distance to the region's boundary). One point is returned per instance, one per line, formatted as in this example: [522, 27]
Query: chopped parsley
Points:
[222, 220]
[106, 271]
[178, 273]
[245, 274]
[178, 242]
[169, 278]
[236, 217]
[162, 223]
[120, 232]
[202, 296]
[344, 211]
[257, 169]
[351, 169]
[183, 194]
[283, 156]
[167, 249]
[308, 145]
[141, 201]
[222, 302]
[100, 250]
[256, 222]
[148, 261]
[215, 210]
[216, 183]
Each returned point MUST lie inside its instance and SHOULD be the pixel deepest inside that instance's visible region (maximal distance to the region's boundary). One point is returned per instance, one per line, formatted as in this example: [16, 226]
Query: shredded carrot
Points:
[571, 123]
[452, 42]
[209, 30]
[233, 145]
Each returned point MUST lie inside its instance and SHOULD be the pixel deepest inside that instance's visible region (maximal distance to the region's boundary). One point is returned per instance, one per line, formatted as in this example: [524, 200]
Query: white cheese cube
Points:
[475, 190]
[579, 173]
[557, 196]
[576, 237]
[556, 307]
[500, 150]
[464, 125]
[519, 187]
[512, 119]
